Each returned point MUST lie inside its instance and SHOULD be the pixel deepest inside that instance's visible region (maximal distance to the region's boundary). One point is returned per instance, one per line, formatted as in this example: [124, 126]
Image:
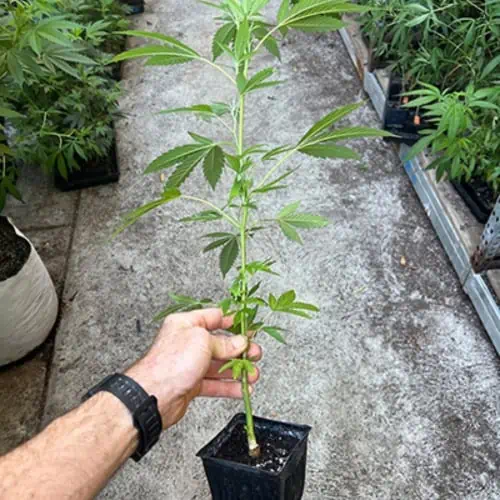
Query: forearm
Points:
[74, 456]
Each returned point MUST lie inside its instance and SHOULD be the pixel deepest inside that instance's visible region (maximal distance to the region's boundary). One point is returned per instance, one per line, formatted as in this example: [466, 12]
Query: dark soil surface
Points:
[14, 251]
[275, 449]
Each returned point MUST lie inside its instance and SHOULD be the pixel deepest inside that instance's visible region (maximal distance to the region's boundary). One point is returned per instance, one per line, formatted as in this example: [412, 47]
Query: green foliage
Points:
[466, 138]
[52, 71]
[243, 34]
[67, 121]
[449, 44]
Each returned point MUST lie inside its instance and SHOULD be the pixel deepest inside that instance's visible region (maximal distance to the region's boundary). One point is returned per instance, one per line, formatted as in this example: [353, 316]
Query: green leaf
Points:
[287, 299]
[260, 266]
[317, 24]
[274, 332]
[9, 113]
[419, 146]
[213, 165]
[353, 133]
[228, 256]
[204, 216]
[216, 244]
[290, 232]
[167, 196]
[11, 188]
[174, 53]
[242, 40]
[163, 38]
[306, 221]
[283, 10]
[175, 156]
[182, 172]
[288, 209]
[327, 150]
[329, 120]
[224, 36]
[257, 79]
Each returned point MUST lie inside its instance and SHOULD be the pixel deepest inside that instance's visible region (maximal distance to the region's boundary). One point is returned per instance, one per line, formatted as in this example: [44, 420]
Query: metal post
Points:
[487, 255]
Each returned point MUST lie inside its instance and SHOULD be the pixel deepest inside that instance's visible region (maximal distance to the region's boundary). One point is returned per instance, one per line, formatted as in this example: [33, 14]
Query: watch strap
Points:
[142, 406]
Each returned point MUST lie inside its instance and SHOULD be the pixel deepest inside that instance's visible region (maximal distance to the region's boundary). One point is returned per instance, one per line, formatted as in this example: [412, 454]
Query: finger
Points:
[255, 352]
[213, 373]
[221, 389]
[224, 347]
[210, 319]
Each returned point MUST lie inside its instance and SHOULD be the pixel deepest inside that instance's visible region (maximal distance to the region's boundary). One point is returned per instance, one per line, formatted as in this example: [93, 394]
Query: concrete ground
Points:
[397, 375]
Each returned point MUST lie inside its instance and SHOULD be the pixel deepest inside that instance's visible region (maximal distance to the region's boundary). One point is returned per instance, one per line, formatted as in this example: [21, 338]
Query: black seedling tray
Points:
[478, 196]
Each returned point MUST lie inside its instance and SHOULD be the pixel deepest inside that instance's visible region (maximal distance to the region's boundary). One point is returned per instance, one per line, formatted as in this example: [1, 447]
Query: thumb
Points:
[225, 348]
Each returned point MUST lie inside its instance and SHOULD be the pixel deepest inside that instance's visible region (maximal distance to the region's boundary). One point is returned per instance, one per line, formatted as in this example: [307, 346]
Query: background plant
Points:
[466, 138]
[447, 44]
[242, 35]
[53, 71]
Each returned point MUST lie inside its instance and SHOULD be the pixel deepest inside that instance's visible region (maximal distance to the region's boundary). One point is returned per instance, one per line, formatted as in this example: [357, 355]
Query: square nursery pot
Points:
[232, 480]
[399, 120]
[99, 171]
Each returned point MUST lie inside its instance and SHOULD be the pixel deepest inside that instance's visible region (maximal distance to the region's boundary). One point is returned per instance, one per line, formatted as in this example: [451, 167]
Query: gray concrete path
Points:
[396, 376]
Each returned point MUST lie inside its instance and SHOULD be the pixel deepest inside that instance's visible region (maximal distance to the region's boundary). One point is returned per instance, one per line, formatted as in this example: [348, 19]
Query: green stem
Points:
[233, 222]
[253, 446]
[276, 166]
[218, 68]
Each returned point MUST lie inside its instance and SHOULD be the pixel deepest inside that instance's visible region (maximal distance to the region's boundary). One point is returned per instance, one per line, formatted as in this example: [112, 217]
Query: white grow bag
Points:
[28, 308]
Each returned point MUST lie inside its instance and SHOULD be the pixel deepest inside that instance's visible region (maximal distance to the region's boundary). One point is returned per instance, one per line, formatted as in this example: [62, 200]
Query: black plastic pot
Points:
[98, 172]
[236, 481]
[478, 196]
[398, 120]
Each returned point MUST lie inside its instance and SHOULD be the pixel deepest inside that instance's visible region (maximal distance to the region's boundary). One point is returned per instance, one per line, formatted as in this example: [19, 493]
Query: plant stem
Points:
[233, 222]
[218, 68]
[278, 164]
[253, 446]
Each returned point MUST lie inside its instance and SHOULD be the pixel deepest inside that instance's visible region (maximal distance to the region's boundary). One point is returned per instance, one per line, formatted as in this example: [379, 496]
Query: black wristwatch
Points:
[142, 406]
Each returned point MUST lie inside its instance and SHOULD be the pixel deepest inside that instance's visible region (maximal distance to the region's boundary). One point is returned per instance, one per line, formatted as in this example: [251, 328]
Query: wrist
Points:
[118, 418]
[144, 372]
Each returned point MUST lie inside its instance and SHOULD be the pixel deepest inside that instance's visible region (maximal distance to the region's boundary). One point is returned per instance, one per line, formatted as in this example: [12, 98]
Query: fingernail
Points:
[239, 342]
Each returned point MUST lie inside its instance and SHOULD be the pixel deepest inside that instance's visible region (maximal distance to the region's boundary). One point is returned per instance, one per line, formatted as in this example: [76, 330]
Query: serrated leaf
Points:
[317, 24]
[290, 232]
[204, 216]
[224, 36]
[288, 209]
[163, 38]
[242, 40]
[215, 244]
[167, 196]
[228, 256]
[283, 10]
[287, 299]
[306, 221]
[175, 156]
[274, 332]
[326, 150]
[328, 120]
[213, 165]
[257, 79]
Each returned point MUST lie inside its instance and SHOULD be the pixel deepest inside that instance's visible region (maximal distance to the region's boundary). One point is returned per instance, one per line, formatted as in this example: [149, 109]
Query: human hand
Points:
[185, 359]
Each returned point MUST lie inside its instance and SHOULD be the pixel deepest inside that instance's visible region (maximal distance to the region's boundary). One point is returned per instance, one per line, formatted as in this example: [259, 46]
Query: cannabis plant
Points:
[67, 121]
[466, 137]
[241, 37]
